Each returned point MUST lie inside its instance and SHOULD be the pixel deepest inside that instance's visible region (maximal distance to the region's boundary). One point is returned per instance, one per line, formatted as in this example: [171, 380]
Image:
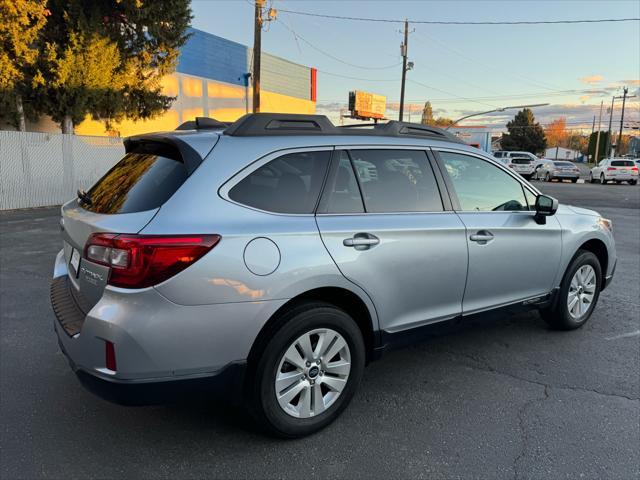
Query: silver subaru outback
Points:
[280, 254]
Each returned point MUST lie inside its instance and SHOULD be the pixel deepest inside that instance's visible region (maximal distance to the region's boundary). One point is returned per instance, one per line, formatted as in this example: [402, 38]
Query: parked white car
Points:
[521, 165]
[615, 169]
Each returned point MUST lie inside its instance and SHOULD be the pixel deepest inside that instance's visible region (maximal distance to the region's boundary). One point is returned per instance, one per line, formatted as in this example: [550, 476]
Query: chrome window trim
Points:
[223, 191]
[493, 161]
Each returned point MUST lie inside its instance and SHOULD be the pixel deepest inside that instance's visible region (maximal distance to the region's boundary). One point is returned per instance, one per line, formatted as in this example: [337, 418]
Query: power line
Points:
[448, 22]
[297, 36]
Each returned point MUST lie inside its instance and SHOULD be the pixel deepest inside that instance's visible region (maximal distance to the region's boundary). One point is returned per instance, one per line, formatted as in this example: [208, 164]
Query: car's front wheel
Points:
[308, 371]
[547, 177]
[591, 180]
[578, 294]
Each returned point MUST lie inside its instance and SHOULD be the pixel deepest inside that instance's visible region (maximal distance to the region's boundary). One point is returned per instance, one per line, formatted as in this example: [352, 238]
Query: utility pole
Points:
[608, 149]
[624, 100]
[257, 53]
[404, 49]
[595, 157]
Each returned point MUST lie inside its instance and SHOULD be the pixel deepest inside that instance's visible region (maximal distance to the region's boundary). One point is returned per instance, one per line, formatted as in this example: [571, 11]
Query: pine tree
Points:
[525, 134]
[20, 25]
[106, 58]
[427, 114]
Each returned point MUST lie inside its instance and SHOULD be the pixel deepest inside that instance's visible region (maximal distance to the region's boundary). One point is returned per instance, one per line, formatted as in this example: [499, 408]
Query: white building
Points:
[560, 153]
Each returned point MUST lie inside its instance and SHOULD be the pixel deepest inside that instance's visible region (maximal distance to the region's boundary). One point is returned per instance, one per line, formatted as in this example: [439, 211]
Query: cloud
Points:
[592, 79]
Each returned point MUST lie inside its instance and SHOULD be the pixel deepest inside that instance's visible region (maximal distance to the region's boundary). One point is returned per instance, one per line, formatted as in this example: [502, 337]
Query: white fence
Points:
[39, 169]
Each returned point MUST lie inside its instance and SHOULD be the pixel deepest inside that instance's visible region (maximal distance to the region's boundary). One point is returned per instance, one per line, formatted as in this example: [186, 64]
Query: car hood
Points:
[570, 209]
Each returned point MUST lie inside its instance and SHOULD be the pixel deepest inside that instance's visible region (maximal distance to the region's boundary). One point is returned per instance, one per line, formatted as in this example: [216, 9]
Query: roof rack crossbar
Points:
[271, 124]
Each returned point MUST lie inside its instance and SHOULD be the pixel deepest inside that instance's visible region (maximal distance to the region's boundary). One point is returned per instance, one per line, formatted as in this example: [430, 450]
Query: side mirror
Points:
[545, 206]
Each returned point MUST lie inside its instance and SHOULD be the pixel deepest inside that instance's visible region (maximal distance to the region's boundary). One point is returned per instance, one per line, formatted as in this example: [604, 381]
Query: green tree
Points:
[602, 147]
[525, 134]
[105, 58]
[20, 25]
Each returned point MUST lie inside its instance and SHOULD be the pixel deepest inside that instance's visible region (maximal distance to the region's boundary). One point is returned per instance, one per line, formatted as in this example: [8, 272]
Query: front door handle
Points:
[361, 241]
[482, 237]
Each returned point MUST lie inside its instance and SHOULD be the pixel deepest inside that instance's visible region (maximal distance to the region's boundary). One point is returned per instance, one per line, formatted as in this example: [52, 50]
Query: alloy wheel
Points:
[312, 373]
[582, 291]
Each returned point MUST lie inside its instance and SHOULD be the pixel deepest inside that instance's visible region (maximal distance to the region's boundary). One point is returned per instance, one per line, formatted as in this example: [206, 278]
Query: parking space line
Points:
[624, 335]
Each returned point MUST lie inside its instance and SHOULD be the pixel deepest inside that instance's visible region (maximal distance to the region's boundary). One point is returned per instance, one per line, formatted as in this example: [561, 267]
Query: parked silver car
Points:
[557, 170]
[282, 254]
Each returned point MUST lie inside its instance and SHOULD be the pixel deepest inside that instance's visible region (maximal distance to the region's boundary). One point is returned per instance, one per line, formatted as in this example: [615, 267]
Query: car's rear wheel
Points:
[578, 294]
[602, 179]
[633, 182]
[574, 180]
[547, 177]
[308, 371]
[591, 180]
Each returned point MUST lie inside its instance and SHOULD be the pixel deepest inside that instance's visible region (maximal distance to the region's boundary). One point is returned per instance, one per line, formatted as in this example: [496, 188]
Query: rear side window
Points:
[396, 181]
[622, 163]
[521, 161]
[143, 180]
[289, 184]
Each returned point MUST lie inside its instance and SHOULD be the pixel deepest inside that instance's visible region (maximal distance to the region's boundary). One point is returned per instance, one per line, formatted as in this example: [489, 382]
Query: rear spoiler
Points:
[192, 153]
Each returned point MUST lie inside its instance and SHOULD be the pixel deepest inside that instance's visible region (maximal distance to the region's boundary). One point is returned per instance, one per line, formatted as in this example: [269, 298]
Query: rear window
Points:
[563, 164]
[143, 180]
[288, 184]
[521, 161]
[622, 163]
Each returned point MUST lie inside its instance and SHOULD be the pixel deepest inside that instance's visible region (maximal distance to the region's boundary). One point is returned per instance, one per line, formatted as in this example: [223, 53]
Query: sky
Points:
[459, 69]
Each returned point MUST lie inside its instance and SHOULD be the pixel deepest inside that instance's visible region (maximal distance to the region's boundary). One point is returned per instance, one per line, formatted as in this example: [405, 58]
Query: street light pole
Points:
[624, 100]
[496, 110]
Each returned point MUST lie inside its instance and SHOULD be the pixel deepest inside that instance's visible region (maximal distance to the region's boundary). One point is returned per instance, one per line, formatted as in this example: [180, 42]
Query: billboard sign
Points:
[365, 105]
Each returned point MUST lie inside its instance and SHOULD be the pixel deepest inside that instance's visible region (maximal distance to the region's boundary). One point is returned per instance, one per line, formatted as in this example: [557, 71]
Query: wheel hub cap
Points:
[581, 291]
[312, 373]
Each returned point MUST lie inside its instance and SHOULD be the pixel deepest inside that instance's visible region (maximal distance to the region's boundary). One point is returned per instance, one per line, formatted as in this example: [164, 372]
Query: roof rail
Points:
[272, 124]
[203, 123]
[263, 124]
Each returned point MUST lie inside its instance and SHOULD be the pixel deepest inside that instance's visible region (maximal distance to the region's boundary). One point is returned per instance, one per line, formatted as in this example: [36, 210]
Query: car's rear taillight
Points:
[139, 261]
[610, 168]
[635, 169]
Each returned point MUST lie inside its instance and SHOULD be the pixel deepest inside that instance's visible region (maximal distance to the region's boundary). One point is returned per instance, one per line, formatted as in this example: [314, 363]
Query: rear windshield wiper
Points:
[84, 197]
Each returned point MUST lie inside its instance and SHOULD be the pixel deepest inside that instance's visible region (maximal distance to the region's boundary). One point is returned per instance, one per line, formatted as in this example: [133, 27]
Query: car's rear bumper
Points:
[228, 382]
[156, 341]
[568, 176]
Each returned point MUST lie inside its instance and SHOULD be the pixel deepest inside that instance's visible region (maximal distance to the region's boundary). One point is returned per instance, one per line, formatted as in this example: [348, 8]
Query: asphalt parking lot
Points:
[503, 397]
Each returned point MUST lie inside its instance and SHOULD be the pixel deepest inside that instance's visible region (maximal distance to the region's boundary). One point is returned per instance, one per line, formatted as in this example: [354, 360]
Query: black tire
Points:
[618, 182]
[574, 180]
[633, 182]
[602, 180]
[547, 177]
[557, 315]
[591, 180]
[260, 386]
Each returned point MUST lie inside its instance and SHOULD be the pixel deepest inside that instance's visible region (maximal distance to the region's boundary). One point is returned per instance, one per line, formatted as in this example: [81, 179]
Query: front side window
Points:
[289, 184]
[481, 186]
[396, 181]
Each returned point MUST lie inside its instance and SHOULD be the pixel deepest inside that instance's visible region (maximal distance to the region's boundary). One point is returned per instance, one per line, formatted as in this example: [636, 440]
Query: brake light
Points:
[139, 261]
[635, 169]
[610, 168]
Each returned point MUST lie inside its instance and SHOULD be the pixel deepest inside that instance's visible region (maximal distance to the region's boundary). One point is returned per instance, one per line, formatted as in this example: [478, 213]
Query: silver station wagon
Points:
[280, 254]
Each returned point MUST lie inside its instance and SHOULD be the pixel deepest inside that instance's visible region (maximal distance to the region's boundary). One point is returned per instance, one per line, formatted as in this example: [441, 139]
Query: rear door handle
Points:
[361, 241]
[482, 237]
